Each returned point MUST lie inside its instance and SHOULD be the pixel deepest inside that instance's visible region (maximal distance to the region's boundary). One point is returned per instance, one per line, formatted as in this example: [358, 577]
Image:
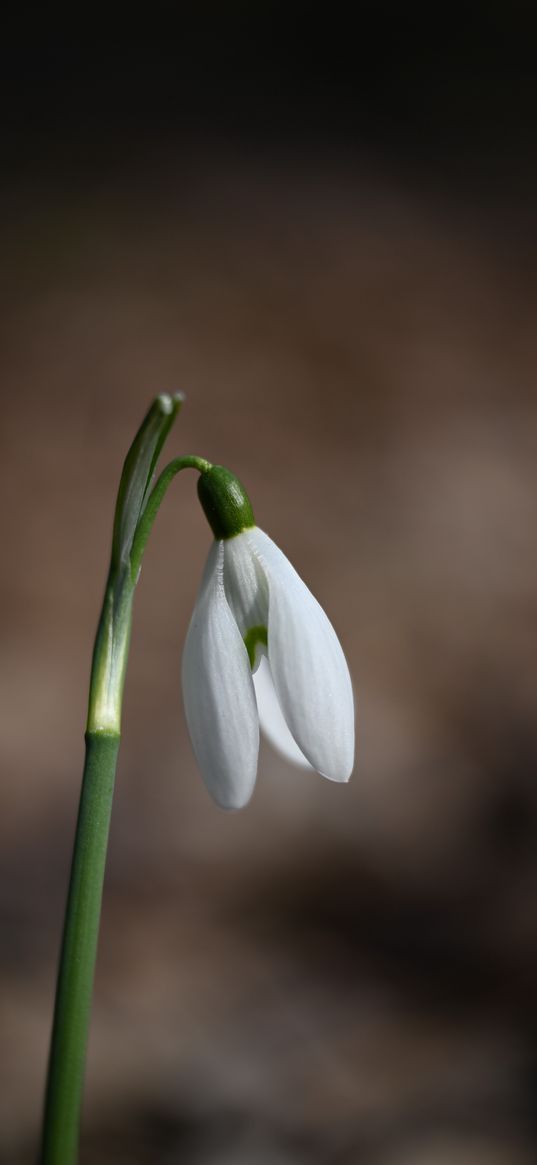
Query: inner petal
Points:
[271, 717]
[246, 591]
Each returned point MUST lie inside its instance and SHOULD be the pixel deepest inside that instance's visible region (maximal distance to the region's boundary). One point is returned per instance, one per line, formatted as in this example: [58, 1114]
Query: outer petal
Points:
[218, 692]
[308, 666]
[271, 716]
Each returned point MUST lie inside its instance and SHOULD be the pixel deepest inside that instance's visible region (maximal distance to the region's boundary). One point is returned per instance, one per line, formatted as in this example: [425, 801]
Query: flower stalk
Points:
[79, 950]
[136, 508]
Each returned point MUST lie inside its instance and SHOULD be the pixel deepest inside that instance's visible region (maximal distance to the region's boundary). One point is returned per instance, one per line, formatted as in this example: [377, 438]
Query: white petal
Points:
[245, 584]
[309, 669]
[218, 692]
[271, 716]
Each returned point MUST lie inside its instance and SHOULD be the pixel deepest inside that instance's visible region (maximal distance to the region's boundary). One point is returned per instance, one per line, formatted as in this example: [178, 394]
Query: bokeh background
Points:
[328, 242]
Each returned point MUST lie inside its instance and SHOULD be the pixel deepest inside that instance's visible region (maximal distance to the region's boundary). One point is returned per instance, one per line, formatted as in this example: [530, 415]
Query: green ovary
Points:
[254, 636]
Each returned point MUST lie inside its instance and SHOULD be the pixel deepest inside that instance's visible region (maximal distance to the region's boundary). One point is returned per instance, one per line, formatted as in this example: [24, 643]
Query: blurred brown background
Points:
[337, 266]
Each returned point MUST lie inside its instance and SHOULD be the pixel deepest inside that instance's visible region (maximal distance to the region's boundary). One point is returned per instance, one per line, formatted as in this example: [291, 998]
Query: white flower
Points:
[255, 615]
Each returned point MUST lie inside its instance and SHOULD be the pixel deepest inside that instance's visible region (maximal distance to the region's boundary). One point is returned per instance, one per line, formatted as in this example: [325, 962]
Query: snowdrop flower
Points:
[259, 649]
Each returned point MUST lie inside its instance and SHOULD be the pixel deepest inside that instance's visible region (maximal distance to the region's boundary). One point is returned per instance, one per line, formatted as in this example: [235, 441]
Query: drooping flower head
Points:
[259, 649]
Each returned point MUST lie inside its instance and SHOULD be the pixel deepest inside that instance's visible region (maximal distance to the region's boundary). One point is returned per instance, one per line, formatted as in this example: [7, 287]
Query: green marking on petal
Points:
[254, 636]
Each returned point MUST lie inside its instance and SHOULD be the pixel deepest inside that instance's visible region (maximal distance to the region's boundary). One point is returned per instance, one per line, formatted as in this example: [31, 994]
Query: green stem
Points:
[136, 509]
[76, 973]
[79, 949]
[153, 503]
